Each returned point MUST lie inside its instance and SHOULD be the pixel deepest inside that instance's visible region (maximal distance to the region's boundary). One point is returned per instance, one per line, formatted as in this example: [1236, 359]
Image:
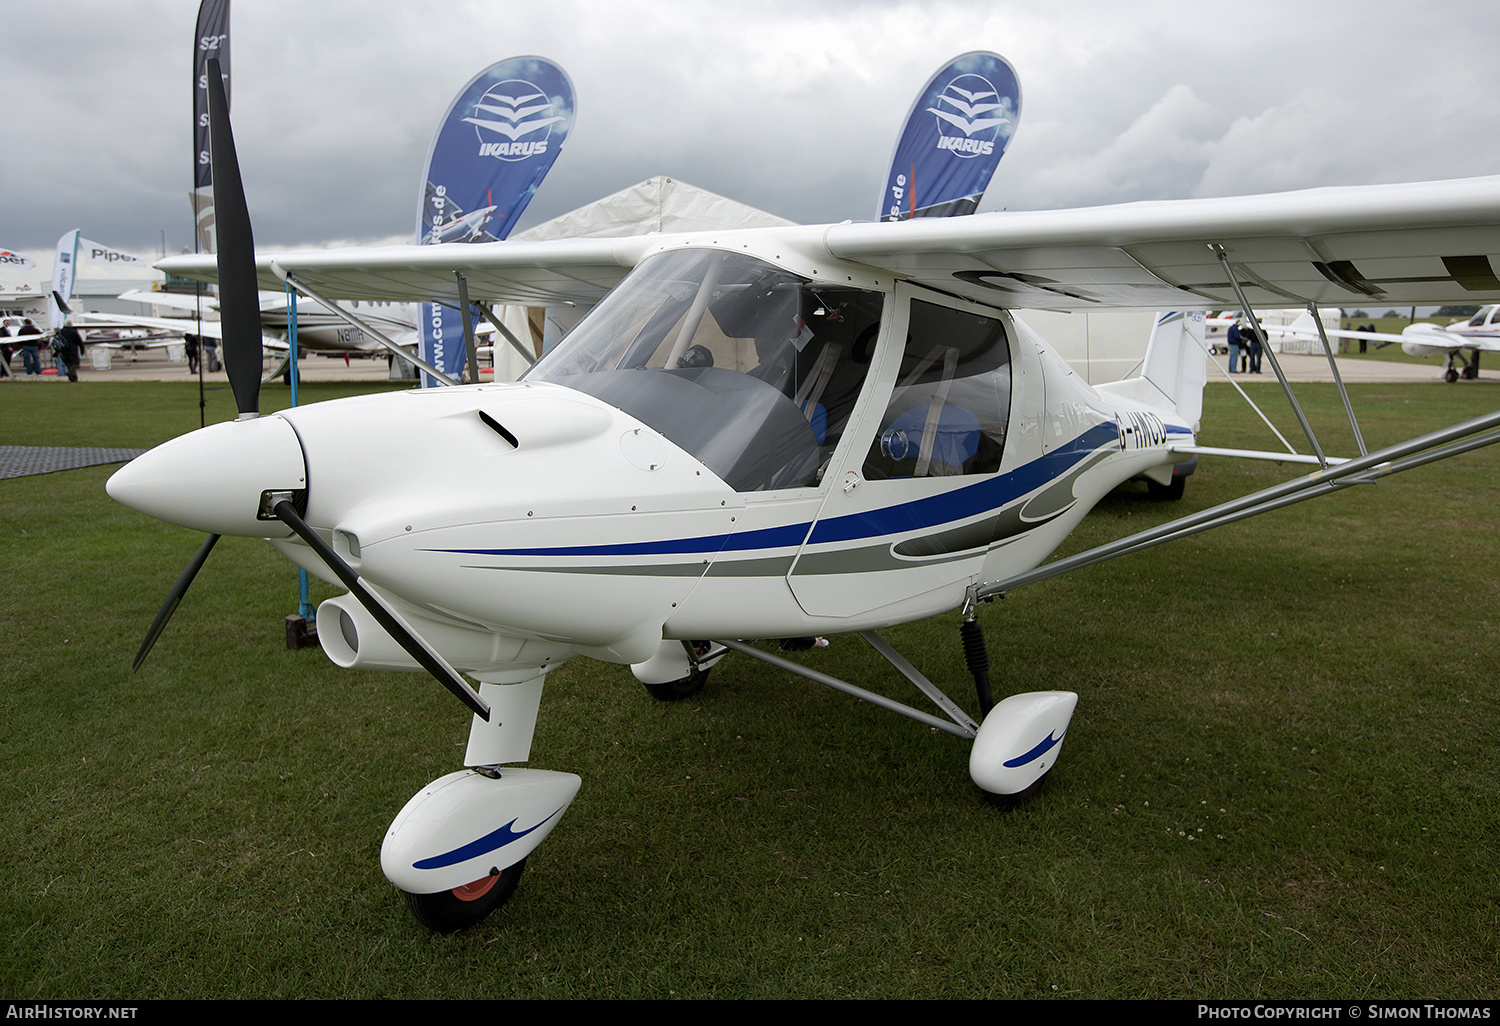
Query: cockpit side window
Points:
[951, 404]
[752, 369]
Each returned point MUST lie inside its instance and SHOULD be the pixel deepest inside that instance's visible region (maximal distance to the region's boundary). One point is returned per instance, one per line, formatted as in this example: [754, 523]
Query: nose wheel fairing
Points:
[471, 824]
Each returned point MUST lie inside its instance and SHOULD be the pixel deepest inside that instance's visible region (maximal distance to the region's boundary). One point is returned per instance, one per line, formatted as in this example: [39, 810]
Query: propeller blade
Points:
[385, 614]
[239, 293]
[174, 596]
[62, 304]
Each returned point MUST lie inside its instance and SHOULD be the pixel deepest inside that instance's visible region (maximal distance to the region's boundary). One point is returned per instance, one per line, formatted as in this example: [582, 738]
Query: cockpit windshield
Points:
[752, 369]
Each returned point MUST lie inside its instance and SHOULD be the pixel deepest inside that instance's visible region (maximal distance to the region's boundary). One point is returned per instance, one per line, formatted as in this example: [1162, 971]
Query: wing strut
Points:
[470, 350]
[1270, 353]
[1415, 452]
[961, 725]
[1338, 378]
[349, 318]
[515, 343]
[488, 312]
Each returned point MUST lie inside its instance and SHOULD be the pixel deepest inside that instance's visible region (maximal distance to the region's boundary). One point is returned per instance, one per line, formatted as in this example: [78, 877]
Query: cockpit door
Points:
[895, 523]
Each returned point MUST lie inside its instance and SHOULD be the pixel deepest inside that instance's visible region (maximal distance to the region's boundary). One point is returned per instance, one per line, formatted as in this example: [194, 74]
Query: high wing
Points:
[1426, 242]
[1434, 337]
[172, 325]
[531, 273]
[1422, 242]
[175, 300]
[1301, 331]
[1418, 334]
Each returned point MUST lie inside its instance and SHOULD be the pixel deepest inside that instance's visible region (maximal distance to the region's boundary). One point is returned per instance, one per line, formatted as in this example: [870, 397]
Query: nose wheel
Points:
[462, 907]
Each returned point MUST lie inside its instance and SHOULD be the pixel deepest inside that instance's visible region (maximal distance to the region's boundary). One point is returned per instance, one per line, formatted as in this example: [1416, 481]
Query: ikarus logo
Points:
[513, 120]
[971, 115]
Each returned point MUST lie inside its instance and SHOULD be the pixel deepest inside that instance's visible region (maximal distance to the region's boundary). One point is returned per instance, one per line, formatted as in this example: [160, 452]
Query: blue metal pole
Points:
[304, 605]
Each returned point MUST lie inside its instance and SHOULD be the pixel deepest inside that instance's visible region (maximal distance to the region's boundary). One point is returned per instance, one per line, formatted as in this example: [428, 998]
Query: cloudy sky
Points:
[788, 105]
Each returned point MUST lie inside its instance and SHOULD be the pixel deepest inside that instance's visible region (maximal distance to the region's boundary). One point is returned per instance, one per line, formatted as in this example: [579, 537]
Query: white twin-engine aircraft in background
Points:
[1477, 334]
[762, 433]
[318, 331]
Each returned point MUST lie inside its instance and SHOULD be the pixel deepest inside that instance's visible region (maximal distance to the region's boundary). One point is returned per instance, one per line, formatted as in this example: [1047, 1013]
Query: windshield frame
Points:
[752, 369]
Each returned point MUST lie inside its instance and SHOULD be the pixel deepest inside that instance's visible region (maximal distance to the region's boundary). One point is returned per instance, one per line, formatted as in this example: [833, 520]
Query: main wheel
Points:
[463, 907]
[1166, 492]
[1450, 376]
[683, 687]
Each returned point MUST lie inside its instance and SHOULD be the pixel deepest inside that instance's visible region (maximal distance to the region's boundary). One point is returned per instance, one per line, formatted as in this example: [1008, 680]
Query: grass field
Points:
[1281, 780]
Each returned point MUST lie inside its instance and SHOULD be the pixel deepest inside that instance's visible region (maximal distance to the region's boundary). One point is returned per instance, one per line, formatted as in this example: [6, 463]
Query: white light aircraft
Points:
[328, 329]
[466, 226]
[760, 433]
[318, 330]
[1478, 334]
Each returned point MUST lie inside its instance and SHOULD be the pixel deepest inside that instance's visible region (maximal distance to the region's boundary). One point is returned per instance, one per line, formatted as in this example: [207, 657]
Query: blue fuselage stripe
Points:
[991, 493]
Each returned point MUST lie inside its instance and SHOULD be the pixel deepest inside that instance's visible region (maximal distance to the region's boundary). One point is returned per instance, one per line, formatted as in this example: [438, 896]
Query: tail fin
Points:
[1305, 324]
[1174, 370]
[1177, 361]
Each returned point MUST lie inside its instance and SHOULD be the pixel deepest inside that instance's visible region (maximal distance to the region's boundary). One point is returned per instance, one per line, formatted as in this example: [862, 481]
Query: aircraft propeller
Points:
[239, 292]
[239, 305]
[169, 606]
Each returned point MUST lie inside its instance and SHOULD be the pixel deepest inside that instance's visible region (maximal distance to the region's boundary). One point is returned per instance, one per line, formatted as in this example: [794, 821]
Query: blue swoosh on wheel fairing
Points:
[491, 841]
[1047, 744]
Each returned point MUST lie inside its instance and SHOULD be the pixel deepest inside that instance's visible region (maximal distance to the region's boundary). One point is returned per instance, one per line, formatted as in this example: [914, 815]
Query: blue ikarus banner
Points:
[491, 151]
[953, 138]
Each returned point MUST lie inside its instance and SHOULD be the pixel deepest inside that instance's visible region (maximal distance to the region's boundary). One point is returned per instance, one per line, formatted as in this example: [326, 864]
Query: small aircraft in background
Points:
[1478, 334]
[756, 433]
[318, 330]
[365, 328]
[466, 227]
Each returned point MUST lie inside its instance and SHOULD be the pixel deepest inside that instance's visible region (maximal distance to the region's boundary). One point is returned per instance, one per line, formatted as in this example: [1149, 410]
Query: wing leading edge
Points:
[1421, 242]
[532, 273]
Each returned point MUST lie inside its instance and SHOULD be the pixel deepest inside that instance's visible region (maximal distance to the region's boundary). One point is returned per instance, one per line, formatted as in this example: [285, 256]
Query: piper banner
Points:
[91, 252]
[955, 135]
[491, 151]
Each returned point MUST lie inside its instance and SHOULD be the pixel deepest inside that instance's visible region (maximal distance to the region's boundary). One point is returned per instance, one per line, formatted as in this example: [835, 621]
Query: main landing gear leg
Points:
[1015, 746]
[977, 658]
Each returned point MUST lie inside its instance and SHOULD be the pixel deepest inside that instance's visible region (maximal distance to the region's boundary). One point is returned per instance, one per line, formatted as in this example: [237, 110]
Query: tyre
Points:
[683, 687]
[463, 907]
[1166, 492]
[1021, 797]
